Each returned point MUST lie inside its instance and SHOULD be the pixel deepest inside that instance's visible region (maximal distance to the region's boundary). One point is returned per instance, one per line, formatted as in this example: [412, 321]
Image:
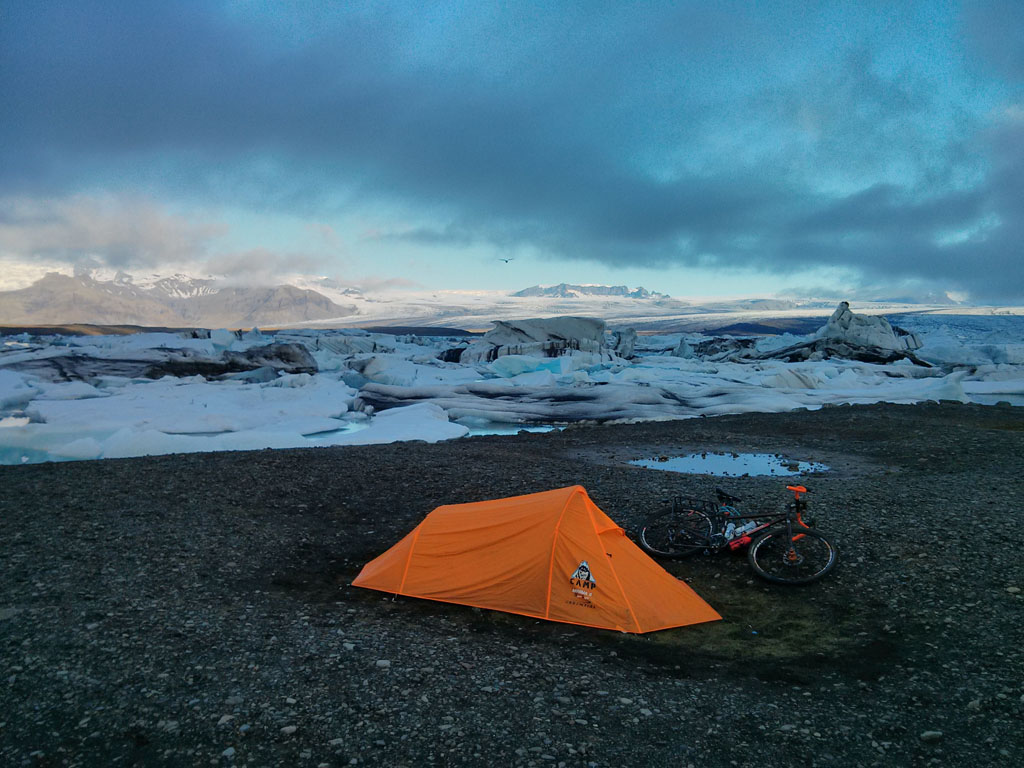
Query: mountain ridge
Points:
[107, 298]
[174, 301]
[572, 290]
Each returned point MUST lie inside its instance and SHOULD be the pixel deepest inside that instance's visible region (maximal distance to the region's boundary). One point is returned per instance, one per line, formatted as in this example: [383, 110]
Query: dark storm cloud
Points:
[680, 135]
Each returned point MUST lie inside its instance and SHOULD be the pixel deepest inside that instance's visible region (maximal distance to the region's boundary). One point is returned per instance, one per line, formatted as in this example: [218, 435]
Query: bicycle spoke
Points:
[677, 535]
[799, 559]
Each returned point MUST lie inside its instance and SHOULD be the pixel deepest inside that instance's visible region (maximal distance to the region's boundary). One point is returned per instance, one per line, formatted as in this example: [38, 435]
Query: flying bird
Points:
[505, 260]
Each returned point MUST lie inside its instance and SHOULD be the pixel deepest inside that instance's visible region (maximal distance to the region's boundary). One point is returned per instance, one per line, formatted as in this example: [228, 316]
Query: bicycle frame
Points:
[783, 547]
[725, 513]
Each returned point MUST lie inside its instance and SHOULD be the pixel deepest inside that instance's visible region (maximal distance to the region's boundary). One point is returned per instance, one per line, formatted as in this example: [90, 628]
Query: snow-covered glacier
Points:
[89, 397]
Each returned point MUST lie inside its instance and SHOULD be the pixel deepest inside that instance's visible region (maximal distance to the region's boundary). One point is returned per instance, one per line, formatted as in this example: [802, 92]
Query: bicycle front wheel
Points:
[677, 534]
[800, 559]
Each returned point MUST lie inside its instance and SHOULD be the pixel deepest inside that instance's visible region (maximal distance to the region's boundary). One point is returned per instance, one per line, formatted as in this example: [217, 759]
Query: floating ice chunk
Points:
[546, 337]
[221, 338]
[683, 349]
[792, 379]
[968, 339]
[127, 443]
[1004, 354]
[16, 389]
[624, 342]
[294, 380]
[423, 421]
[105, 346]
[182, 416]
[197, 406]
[865, 330]
[109, 383]
[516, 365]
[263, 375]
[577, 361]
[292, 358]
[83, 448]
[942, 346]
[387, 369]
[347, 344]
[782, 341]
[509, 332]
[862, 389]
[290, 434]
[535, 379]
[996, 386]
[395, 371]
[451, 375]
[69, 390]
[43, 442]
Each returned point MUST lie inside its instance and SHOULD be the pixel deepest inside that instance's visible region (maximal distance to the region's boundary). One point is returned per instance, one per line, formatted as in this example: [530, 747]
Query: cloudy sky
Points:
[696, 148]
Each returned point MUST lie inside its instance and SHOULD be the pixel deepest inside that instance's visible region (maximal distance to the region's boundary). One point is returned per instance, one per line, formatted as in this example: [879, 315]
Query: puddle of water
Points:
[731, 464]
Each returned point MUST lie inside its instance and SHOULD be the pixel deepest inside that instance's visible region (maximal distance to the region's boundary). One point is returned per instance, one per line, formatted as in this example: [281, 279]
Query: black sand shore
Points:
[196, 610]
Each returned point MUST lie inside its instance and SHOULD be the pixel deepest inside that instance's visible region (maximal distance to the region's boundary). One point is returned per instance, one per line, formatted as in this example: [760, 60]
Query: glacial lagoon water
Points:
[495, 428]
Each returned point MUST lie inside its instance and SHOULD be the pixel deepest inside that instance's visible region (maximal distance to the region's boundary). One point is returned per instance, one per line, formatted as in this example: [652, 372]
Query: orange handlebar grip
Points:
[796, 489]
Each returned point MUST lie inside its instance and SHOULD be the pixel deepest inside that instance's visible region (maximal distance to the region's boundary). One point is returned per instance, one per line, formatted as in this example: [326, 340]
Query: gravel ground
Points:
[196, 610]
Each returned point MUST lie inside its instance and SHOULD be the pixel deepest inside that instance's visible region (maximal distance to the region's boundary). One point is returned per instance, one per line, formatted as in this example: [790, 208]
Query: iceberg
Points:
[866, 331]
[73, 398]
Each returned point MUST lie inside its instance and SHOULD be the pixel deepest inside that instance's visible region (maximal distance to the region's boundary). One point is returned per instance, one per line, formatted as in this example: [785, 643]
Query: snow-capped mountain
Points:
[568, 290]
[183, 287]
[175, 301]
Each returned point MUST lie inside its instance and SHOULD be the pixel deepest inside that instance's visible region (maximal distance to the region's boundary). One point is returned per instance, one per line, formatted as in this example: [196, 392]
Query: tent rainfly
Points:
[552, 555]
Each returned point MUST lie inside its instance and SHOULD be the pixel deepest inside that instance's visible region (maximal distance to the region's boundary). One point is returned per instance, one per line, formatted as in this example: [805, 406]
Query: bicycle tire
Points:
[810, 556]
[677, 534]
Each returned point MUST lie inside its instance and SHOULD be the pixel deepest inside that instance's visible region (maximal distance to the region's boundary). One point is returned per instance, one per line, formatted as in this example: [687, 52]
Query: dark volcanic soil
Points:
[196, 610]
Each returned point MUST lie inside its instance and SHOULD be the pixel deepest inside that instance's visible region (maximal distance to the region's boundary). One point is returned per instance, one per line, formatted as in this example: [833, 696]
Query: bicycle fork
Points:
[791, 556]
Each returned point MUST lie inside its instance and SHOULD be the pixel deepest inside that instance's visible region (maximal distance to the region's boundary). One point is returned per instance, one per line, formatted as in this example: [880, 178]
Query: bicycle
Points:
[782, 547]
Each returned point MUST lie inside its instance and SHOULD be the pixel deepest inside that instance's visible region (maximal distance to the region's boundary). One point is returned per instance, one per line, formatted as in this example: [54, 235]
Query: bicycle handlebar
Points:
[797, 490]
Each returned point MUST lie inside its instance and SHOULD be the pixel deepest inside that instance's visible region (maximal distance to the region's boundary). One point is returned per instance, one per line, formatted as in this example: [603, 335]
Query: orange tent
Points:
[551, 555]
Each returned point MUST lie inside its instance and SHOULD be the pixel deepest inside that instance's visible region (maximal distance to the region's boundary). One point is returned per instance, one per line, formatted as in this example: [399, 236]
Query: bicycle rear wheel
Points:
[804, 558]
[677, 534]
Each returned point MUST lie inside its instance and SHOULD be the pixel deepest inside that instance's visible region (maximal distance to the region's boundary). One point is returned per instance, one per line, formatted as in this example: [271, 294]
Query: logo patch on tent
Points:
[582, 582]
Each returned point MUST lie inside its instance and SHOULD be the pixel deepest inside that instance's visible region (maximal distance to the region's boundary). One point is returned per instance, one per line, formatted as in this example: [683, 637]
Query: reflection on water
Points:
[731, 464]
